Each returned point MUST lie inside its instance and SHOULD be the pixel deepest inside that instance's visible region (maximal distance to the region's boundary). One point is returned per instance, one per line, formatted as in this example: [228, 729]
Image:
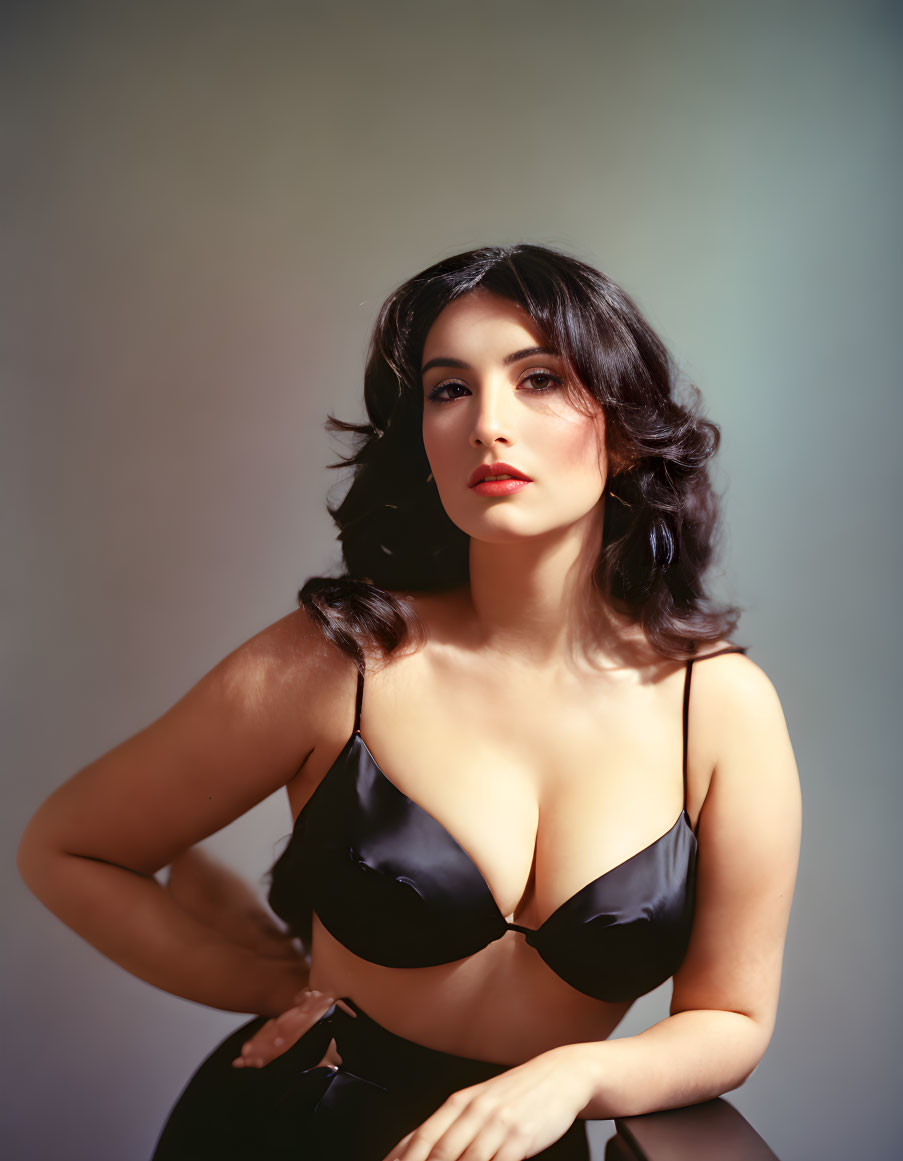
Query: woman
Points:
[511, 817]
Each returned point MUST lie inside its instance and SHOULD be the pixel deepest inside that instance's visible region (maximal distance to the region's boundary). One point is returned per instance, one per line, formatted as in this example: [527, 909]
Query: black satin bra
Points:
[389, 882]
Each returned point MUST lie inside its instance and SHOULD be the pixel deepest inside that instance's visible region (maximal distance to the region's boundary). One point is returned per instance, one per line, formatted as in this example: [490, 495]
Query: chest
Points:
[544, 787]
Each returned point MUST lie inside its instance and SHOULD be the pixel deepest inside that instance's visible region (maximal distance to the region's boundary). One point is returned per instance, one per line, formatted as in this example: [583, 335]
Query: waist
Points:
[385, 1085]
[369, 1050]
[460, 1009]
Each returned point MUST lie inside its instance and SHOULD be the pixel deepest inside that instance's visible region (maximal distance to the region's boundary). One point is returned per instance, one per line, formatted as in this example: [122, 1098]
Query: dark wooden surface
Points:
[711, 1131]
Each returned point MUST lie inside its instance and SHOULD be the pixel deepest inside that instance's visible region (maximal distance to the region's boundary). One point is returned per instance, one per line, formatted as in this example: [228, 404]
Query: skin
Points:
[572, 751]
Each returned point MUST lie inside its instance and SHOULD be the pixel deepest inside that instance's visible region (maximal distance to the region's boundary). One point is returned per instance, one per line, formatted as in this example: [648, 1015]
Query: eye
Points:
[548, 376]
[434, 394]
[551, 383]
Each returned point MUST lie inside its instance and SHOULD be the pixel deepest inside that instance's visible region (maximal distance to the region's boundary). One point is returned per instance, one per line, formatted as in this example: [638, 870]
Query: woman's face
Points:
[483, 405]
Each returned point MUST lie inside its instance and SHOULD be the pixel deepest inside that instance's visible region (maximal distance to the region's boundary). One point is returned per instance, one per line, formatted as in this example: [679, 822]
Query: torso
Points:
[547, 779]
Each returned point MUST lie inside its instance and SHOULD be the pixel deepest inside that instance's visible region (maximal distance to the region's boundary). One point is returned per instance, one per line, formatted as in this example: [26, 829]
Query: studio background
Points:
[204, 206]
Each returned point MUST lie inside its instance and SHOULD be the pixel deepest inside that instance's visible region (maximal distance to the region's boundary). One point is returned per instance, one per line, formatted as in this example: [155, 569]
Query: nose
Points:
[492, 422]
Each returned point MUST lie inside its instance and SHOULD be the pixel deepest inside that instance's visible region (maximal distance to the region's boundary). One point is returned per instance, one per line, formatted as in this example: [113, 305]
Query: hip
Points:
[298, 1107]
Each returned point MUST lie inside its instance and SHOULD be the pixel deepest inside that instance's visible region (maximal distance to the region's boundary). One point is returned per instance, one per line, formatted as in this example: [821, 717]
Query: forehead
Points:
[480, 321]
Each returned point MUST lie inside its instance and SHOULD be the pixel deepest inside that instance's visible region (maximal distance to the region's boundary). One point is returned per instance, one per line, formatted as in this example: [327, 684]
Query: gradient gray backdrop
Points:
[204, 206]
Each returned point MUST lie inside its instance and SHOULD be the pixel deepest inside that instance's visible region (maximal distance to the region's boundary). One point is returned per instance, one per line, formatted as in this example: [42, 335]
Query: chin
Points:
[505, 531]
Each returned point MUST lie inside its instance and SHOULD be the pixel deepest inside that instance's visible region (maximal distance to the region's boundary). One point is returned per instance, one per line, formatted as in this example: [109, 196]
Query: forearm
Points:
[686, 1058]
[132, 919]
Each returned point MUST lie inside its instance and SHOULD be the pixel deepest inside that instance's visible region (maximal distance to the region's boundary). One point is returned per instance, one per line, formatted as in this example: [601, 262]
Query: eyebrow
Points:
[514, 357]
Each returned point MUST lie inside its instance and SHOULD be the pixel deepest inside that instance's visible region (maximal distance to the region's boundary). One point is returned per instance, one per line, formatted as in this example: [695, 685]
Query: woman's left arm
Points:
[725, 996]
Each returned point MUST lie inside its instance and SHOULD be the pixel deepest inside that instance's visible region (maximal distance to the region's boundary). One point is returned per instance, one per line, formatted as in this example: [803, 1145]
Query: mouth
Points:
[497, 472]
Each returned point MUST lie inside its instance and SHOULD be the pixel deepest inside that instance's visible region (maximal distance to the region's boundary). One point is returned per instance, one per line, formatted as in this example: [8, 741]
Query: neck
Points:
[534, 602]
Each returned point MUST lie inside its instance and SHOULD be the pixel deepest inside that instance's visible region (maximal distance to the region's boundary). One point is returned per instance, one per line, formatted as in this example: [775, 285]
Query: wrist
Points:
[282, 979]
[582, 1063]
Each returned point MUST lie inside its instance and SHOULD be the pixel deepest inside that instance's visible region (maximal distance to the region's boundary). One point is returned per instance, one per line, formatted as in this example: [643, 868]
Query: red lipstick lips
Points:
[488, 471]
[497, 480]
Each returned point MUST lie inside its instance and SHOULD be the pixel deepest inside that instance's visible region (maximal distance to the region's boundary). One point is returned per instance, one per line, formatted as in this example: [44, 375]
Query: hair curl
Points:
[661, 518]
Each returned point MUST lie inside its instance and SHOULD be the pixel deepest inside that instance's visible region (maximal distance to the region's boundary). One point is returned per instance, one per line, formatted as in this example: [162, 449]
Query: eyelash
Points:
[433, 396]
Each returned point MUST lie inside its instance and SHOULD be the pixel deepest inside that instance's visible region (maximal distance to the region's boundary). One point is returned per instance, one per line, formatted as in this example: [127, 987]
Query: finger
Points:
[317, 1003]
[266, 1046]
[476, 1134]
[293, 1019]
[488, 1141]
[278, 1034]
[513, 1148]
[418, 1144]
[311, 1000]
[262, 1047]
[396, 1153]
[249, 1050]
[247, 1053]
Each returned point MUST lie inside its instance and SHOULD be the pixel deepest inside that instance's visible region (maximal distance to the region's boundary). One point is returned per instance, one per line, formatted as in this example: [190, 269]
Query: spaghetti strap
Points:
[686, 713]
[360, 701]
[718, 652]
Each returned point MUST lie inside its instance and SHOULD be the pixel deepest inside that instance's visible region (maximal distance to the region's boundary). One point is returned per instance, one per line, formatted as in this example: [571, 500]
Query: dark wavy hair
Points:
[660, 518]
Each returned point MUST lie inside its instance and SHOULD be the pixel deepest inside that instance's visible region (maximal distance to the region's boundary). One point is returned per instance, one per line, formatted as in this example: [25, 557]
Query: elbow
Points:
[28, 853]
[748, 1040]
[751, 1071]
[30, 859]
[744, 1076]
[738, 1078]
[36, 858]
[761, 1038]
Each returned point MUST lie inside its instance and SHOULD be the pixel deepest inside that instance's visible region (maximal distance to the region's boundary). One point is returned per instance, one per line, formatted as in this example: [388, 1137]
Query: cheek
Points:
[437, 454]
[579, 450]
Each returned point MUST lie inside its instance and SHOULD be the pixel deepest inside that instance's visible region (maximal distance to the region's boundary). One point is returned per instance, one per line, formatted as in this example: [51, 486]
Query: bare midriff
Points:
[502, 1004]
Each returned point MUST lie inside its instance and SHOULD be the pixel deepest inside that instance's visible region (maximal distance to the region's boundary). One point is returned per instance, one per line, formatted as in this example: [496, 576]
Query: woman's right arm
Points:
[220, 898]
[91, 850]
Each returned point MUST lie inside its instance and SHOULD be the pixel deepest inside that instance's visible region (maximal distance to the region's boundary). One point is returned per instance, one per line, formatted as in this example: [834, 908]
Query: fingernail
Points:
[278, 1040]
[238, 1062]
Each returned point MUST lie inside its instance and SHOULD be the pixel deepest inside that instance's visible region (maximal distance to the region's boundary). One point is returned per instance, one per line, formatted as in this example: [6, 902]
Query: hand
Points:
[281, 1032]
[509, 1117]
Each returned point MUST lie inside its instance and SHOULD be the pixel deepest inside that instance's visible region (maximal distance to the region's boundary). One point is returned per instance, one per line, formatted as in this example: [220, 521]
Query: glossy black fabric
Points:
[390, 883]
[295, 1109]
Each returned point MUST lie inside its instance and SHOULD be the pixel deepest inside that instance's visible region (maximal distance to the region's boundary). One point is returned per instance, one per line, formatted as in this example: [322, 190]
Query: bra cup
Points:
[390, 883]
[358, 840]
[626, 933]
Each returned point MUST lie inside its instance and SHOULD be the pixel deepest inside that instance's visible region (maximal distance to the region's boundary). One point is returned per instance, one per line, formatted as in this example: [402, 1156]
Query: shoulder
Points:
[741, 728]
[433, 616]
[287, 664]
[430, 604]
[726, 678]
[238, 734]
[734, 688]
[754, 771]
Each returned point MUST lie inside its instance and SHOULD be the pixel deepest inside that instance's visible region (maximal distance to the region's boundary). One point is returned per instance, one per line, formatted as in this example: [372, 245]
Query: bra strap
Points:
[360, 701]
[686, 716]
[687, 676]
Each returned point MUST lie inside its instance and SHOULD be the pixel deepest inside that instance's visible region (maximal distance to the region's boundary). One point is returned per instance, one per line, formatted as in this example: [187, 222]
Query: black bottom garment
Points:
[295, 1109]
